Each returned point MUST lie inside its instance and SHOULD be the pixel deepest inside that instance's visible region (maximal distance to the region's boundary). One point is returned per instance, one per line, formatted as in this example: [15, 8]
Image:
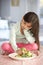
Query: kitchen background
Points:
[11, 11]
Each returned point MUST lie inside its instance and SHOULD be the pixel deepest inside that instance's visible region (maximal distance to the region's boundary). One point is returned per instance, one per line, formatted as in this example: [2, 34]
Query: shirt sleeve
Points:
[29, 36]
[13, 38]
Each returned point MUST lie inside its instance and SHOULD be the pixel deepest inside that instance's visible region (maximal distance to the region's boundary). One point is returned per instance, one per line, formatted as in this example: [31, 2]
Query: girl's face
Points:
[25, 25]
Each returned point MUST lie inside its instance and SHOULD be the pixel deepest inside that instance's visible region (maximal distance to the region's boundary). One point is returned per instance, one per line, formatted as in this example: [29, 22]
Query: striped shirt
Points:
[17, 37]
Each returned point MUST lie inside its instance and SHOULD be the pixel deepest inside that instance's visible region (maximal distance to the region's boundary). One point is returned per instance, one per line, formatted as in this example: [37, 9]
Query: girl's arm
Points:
[13, 38]
[29, 36]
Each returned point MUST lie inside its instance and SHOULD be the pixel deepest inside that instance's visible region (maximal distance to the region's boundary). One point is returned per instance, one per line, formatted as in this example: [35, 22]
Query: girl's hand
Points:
[35, 52]
[19, 51]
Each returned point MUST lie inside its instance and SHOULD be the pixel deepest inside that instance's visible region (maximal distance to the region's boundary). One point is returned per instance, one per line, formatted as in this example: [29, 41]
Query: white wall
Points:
[15, 13]
[5, 8]
[18, 11]
[33, 5]
[25, 6]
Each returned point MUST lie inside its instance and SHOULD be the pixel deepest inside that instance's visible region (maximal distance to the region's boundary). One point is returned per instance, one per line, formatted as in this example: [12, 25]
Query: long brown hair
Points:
[32, 17]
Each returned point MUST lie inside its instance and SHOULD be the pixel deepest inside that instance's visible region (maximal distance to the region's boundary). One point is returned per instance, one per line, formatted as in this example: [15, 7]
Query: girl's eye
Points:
[29, 26]
[24, 23]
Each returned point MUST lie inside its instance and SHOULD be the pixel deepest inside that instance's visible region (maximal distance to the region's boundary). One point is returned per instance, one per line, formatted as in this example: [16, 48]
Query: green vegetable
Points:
[25, 53]
[29, 54]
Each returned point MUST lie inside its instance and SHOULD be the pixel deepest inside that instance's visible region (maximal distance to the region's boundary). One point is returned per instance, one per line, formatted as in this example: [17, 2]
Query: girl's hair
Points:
[32, 17]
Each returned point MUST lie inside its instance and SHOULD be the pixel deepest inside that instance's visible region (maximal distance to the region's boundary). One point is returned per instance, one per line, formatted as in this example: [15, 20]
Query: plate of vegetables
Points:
[25, 55]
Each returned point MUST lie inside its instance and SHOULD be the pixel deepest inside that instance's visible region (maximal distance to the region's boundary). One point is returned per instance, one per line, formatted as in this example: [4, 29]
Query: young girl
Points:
[24, 34]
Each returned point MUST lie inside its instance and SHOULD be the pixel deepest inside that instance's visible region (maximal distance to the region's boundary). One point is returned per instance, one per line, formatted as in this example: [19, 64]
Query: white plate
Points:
[12, 55]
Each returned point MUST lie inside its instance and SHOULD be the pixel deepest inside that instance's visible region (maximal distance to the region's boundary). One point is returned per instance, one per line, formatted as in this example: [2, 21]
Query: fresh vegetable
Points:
[25, 53]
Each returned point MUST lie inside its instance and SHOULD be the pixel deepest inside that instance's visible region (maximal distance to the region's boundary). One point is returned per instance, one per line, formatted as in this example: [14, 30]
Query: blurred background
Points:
[11, 11]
